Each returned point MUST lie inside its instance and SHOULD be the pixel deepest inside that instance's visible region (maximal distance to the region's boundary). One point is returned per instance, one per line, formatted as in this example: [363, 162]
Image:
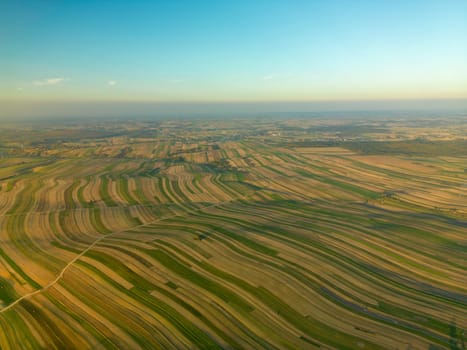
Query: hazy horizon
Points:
[87, 109]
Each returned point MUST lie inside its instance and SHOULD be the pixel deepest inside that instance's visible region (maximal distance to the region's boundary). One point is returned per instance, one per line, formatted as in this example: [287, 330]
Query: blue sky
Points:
[214, 51]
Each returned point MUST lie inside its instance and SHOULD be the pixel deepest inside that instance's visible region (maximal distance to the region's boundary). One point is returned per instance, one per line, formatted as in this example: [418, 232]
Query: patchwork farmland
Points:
[206, 234]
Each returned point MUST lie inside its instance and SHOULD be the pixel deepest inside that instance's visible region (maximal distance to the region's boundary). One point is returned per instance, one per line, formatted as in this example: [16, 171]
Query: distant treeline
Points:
[410, 147]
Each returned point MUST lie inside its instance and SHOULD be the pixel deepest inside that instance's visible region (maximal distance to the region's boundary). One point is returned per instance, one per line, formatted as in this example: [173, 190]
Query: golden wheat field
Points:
[210, 234]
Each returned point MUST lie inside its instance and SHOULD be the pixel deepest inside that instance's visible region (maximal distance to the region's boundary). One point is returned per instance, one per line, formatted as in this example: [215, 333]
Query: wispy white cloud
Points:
[19, 88]
[49, 81]
[267, 77]
[112, 82]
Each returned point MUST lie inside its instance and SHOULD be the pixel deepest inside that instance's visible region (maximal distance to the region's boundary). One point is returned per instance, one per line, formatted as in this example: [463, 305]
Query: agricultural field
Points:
[234, 234]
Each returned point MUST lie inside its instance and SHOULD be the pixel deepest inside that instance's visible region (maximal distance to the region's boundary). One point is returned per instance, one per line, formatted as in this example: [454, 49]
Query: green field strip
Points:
[123, 190]
[15, 332]
[18, 270]
[25, 245]
[196, 278]
[439, 326]
[85, 322]
[24, 200]
[7, 291]
[170, 295]
[48, 326]
[140, 195]
[104, 192]
[97, 223]
[128, 321]
[68, 194]
[80, 193]
[141, 294]
[314, 329]
[339, 184]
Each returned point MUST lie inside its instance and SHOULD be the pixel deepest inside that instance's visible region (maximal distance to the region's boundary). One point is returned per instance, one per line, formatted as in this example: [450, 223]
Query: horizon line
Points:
[239, 101]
